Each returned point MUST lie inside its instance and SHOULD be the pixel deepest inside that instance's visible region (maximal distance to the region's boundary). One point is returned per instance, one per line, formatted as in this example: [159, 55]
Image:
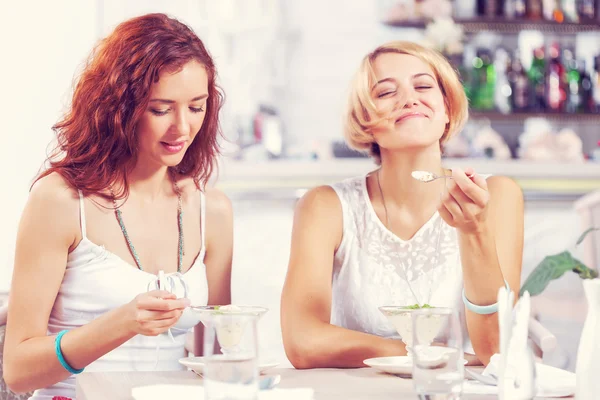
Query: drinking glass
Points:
[231, 357]
[437, 350]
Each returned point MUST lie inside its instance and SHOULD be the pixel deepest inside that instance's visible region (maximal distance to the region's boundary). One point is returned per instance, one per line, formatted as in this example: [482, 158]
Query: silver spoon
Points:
[426, 176]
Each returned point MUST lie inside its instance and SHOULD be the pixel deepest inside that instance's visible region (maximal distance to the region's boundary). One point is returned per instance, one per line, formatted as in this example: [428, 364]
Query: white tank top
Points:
[97, 281]
[373, 267]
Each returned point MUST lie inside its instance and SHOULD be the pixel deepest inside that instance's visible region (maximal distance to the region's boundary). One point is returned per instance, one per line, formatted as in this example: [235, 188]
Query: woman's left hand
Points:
[464, 204]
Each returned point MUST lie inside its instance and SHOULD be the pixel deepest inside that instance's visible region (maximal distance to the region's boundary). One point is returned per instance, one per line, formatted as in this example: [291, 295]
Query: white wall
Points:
[335, 35]
[42, 45]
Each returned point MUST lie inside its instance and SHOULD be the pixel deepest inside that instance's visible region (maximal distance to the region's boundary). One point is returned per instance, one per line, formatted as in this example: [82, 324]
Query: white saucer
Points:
[399, 365]
[197, 364]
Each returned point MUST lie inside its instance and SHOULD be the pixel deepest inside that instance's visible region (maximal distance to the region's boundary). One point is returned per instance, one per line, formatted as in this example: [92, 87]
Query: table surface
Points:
[328, 384]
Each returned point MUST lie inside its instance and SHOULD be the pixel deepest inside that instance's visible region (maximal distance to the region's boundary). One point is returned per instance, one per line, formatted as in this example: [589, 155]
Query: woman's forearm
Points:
[33, 364]
[481, 268]
[482, 279]
[323, 345]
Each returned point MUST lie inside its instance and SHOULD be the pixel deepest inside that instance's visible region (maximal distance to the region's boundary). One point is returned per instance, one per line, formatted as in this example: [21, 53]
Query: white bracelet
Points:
[482, 310]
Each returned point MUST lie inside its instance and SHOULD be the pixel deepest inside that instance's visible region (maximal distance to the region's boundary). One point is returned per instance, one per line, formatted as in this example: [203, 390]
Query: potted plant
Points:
[553, 267]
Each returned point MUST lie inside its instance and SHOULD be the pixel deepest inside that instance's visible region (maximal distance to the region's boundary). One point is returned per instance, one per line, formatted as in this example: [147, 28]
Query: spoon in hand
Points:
[426, 176]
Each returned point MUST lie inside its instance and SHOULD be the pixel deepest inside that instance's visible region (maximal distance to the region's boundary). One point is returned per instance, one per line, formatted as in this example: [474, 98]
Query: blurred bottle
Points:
[481, 8]
[548, 9]
[465, 78]
[556, 95]
[464, 9]
[490, 8]
[534, 9]
[573, 82]
[569, 9]
[537, 81]
[587, 10]
[519, 84]
[475, 80]
[520, 8]
[596, 84]
[557, 14]
[587, 96]
[503, 91]
[500, 7]
[509, 9]
[484, 79]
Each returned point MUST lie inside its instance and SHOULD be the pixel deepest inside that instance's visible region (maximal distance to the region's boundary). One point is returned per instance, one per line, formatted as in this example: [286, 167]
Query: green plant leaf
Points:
[583, 271]
[551, 267]
[584, 234]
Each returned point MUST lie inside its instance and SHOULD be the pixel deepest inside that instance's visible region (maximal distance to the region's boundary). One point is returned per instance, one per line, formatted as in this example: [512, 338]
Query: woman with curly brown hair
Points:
[123, 198]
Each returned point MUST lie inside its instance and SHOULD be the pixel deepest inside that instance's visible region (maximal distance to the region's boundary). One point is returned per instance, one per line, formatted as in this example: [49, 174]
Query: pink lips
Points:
[410, 115]
[173, 147]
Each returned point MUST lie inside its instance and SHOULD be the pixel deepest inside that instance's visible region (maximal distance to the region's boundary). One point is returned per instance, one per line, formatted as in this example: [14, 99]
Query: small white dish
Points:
[398, 365]
[230, 309]
[197, 364]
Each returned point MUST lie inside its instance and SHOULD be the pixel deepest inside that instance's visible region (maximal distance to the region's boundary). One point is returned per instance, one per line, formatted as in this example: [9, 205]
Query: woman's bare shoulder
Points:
[54, 191]
[53, 204]
[217, 203]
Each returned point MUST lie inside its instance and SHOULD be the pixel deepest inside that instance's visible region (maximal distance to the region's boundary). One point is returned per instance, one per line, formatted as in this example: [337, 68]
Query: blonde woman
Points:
[388, 239]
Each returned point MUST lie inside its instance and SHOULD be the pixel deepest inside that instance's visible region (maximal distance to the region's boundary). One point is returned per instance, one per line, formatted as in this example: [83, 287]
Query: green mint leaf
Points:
[584, 234]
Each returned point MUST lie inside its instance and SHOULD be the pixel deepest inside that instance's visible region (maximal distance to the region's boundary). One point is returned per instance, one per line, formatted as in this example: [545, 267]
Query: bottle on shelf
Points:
[537, 82]
[596, 84]
[551, 10]
[481, 8]
[509, 9]
[555, 81]
[534, 9]
[519, 84]
[503, 91]
[484, 81]
[574, 102]
[520, 8]
[569, 10]
[500, 7]
[490, 8]
[587, 97]
[587, 9]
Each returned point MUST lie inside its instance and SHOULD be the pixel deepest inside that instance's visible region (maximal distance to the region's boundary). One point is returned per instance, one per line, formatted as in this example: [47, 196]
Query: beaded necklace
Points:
[181, 250]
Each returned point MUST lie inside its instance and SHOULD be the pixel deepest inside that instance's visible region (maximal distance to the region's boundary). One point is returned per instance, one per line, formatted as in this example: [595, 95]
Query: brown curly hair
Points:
[97, 142]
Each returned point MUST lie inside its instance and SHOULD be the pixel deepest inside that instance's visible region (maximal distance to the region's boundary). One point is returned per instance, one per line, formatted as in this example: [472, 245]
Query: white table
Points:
[328, 384]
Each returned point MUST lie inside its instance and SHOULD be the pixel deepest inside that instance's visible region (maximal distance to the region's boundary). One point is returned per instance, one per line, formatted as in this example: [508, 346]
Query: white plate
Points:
[399, 365]
[197, 364]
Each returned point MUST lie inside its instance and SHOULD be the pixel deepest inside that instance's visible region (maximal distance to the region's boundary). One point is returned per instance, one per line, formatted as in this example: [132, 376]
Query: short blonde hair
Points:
[361, 107]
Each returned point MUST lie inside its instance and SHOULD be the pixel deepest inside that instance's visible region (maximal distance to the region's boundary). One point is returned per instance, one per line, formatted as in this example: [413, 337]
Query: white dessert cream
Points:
[423, 176]
[229, 328]
[429, 326]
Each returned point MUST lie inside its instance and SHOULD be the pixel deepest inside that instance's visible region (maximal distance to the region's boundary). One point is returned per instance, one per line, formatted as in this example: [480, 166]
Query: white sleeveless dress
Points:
[97, 281]
[373, 267]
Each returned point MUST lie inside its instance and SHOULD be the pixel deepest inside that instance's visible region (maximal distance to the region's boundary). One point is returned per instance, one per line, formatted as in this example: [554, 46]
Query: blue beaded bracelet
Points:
[483, 310]
[59, 354]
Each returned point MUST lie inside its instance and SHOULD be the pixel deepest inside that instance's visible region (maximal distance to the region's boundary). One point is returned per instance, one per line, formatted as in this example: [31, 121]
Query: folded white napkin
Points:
[550, 381]
[196, 392]
[514, 366]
